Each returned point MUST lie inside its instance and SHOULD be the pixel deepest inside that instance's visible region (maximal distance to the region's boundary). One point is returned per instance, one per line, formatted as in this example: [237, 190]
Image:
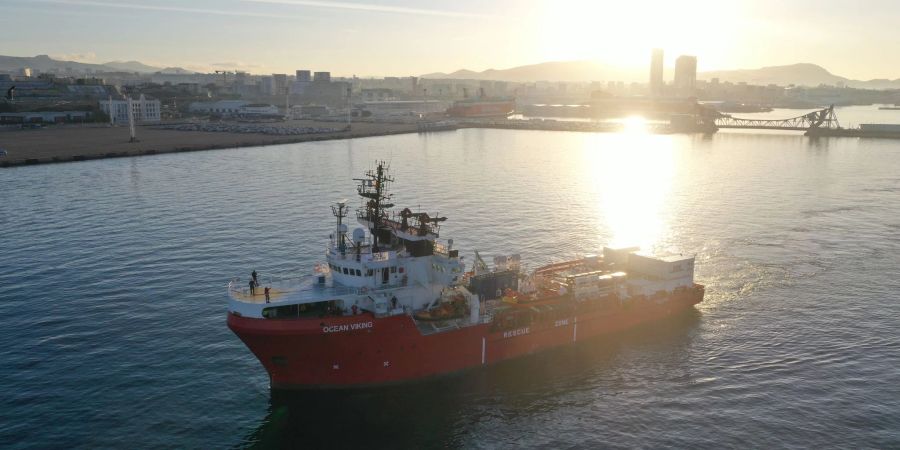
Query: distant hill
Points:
[799, 74]
[175, 70]
[131, 66]
[575, 71]
[803, 74]
[44, 63]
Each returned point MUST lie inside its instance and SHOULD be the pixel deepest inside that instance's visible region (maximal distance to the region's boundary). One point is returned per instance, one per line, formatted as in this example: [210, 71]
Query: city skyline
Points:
[401, 38]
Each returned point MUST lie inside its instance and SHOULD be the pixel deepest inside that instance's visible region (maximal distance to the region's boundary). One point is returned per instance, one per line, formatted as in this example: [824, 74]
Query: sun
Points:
[622, 33]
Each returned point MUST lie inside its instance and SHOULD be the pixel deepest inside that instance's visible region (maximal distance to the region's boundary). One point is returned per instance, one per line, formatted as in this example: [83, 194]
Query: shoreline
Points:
[68, 143]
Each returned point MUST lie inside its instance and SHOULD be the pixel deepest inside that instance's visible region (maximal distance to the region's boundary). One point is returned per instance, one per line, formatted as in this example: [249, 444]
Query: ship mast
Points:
[340, 211]
[374, 188]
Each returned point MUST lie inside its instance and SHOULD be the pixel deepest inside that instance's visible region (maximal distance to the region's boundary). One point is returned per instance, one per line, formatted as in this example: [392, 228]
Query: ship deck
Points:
[259, 295]
[286, 289]
[298, 290]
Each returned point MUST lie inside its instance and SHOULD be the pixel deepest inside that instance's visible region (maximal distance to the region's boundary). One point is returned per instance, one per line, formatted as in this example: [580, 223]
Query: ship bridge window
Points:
[393, 269]
[358, 273]
[369, 272]
[345, 271]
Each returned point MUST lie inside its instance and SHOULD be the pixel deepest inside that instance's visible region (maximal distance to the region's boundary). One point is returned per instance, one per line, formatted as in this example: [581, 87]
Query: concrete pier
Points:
[64, 143]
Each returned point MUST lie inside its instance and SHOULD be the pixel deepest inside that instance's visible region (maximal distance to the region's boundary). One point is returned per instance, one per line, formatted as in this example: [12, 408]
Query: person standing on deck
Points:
[254, 275]
[266, 290]
[252, 287]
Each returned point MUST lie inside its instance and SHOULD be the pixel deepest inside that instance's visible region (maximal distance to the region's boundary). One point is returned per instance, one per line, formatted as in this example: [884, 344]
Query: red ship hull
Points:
[362, 350]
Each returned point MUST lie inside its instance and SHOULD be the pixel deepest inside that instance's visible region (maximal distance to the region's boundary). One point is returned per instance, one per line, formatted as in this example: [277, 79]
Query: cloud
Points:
[133, 6]
[77, 57]
[368, 8]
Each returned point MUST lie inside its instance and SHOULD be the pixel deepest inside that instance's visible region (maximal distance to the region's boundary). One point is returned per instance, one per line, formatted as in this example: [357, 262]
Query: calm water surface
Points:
[112, 292]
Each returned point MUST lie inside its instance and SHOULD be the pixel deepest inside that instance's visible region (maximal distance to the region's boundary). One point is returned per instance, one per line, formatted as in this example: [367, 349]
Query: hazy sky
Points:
[857, 39]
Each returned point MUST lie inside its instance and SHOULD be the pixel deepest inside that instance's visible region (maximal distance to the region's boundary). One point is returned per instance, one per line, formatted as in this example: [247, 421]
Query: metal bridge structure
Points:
[816, 120]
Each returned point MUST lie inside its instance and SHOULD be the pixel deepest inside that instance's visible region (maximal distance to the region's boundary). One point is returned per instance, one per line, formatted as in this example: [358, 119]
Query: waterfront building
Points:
[143, 109]
[221, 107]
[303, 76]
[403, 108]
[309, 111]
[259, 110]
[44, 117]
[236, 108]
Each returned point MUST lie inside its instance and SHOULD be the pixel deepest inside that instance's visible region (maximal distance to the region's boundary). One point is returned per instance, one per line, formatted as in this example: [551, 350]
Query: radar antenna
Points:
[374, 188]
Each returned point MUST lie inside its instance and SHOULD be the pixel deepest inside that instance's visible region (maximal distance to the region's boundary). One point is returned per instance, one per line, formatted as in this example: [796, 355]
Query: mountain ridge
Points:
[45, 63]
[799, 74]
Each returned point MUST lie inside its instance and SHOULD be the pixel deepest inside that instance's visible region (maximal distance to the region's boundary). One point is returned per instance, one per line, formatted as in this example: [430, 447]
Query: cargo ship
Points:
[483, 107]
[393, 302]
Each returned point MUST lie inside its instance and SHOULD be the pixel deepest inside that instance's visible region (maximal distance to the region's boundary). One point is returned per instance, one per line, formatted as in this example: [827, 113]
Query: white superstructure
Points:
[388, 265]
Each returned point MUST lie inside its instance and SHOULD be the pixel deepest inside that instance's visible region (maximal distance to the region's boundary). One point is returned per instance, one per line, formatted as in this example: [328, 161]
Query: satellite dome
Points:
[359, 235]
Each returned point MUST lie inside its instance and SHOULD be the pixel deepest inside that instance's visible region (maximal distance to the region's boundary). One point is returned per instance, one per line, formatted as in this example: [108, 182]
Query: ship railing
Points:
[293, 284]
[365, 256]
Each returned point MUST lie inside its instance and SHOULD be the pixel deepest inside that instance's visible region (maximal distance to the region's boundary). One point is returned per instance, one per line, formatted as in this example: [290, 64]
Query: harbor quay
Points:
[65, 143]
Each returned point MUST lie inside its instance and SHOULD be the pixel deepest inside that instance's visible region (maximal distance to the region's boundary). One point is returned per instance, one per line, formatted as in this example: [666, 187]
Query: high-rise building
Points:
[656, 72]
[267, 85]
[686, 75]
[280, 81]
[322, 77]
[304, 76]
